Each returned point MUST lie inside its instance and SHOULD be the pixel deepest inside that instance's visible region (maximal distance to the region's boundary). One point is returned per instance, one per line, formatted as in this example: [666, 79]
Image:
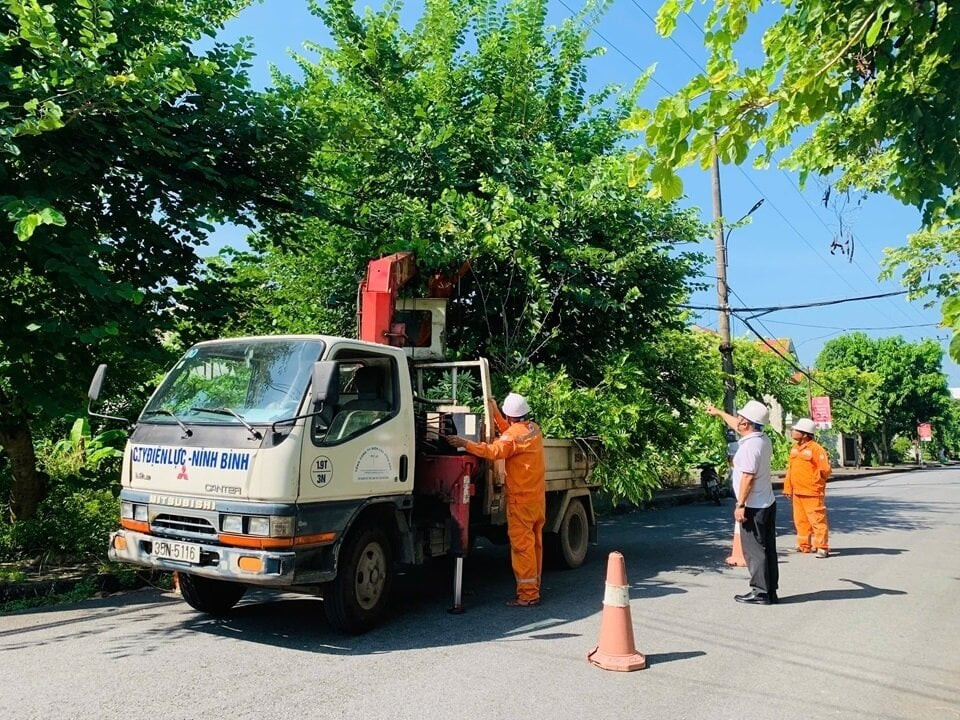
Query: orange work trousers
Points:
[810, 520]
[525, 529]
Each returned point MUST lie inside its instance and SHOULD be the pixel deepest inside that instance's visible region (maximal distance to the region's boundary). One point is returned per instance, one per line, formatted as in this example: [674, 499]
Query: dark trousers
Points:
[759, 539]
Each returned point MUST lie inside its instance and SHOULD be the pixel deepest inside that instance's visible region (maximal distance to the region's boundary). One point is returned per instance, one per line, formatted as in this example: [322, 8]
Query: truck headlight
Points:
[232, 524]
[258, 525]
[133, 511]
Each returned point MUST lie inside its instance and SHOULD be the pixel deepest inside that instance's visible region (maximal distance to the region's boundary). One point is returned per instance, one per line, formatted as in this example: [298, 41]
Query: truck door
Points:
[361, 444]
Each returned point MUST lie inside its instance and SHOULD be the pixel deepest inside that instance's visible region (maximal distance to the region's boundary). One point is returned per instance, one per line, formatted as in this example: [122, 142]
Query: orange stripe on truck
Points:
[264, 543]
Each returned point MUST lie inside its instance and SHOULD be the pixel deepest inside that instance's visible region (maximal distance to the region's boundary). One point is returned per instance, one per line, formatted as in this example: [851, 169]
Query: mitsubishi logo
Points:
[182, 475]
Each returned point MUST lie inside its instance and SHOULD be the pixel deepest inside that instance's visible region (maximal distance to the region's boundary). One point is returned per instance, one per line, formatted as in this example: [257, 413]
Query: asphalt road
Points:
[871, 632]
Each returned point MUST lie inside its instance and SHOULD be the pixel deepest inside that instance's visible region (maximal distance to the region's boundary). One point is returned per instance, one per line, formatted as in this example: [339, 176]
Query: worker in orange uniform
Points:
[520, 446]
[806, 484]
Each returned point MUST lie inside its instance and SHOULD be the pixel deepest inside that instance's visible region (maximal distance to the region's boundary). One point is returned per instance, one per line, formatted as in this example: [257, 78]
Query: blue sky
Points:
[781, 258]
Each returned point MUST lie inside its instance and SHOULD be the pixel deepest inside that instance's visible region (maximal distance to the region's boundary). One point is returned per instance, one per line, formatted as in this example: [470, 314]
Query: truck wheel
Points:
[357, 598]
[209, 595]
[574, 534]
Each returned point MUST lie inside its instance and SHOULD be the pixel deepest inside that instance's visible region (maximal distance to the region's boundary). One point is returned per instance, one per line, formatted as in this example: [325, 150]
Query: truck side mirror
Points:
[94, 392]
[325, 383]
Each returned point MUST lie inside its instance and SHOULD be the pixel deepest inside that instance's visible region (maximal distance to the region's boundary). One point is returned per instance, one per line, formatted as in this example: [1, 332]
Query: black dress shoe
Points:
[757, 598]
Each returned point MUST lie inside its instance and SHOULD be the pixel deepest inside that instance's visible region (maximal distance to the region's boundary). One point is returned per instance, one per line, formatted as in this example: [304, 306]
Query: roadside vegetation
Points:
[469, 138]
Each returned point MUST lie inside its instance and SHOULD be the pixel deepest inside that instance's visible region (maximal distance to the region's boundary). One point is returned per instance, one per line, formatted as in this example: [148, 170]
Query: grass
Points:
[81, 591]
[11, 574]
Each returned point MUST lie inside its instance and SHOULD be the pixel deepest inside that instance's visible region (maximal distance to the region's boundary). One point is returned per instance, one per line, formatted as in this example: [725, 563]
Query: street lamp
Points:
[748, 213]
[726, 246]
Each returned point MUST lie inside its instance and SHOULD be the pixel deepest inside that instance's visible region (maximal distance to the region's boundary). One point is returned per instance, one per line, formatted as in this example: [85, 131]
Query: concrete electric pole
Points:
[726, 347]
[723, 296]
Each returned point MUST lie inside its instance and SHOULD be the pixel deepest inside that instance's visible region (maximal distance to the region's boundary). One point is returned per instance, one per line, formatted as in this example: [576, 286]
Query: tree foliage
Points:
[471, 137]
[885, 387]
[119, 144]
[870, 90]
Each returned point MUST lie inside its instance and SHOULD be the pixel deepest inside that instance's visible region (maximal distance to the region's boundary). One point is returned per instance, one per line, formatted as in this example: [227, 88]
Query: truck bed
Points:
[569, 463]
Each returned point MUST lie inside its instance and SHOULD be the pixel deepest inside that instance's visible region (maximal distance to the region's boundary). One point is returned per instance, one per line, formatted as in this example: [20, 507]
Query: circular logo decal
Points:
[321, 471]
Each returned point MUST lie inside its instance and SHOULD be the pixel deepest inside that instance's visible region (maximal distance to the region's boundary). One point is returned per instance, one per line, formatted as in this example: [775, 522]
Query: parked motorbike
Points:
[710, 482]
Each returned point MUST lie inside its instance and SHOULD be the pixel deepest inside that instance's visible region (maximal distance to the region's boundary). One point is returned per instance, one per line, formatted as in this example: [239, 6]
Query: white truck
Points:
[316, 464]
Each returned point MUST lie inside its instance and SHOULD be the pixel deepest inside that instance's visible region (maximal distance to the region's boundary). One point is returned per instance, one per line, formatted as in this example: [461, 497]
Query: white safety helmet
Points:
[805, 425]
[755, 412]
[515, 405]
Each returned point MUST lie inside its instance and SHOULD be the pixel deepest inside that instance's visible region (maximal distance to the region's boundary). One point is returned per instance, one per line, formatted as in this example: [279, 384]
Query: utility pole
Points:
[726, 346]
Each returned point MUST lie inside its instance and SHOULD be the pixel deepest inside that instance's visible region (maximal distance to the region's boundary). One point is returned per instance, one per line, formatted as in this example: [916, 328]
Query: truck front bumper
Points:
[276, 568]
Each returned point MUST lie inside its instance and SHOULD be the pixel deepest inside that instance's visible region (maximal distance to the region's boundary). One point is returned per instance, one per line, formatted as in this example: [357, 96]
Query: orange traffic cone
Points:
[736, 557]
[616, 650]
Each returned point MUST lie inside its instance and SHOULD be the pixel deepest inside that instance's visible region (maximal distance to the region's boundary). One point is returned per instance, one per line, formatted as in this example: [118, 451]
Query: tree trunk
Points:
[29, 485]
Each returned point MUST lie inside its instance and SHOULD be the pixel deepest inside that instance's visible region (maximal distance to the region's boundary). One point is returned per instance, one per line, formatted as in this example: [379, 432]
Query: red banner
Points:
[925, 431]
[820, 411]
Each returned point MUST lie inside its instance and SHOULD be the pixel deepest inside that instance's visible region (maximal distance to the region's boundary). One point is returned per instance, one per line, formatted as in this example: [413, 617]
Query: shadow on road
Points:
[860, 592]
[661, 658]
[865, 514]
[849, 551]
[667, 552]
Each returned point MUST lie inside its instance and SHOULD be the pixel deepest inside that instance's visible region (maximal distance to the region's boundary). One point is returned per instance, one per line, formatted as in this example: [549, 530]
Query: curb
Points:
[694, 493]
[51, 587]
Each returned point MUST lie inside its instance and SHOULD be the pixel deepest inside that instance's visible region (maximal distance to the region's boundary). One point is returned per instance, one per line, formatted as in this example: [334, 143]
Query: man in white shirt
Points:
[756, 509]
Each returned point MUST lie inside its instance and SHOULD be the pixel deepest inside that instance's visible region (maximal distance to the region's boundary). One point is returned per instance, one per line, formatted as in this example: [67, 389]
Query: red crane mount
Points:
[415, 324]
[378, 298]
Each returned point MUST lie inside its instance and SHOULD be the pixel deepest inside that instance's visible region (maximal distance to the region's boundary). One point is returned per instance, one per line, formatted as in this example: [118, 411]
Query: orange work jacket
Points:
[520, 446]
[807, 470]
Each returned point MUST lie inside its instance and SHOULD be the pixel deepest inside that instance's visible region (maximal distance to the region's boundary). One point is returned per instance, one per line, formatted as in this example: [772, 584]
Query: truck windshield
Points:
[261, 381]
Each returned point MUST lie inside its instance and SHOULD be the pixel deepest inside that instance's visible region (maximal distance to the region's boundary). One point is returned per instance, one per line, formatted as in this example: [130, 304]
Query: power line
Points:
[671, 38]
[621, 52]
[803, 371]
[866, 249]
[775, 308]
[834, 327]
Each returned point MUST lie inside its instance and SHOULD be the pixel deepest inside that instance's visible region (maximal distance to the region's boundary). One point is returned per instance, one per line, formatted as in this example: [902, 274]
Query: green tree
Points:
[763, 373]
[908, 384]
[119, 143]
[472, 137]
[870, 88]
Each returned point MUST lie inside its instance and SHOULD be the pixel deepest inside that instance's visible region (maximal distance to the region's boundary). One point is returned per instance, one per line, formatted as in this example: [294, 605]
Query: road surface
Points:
[871, 632]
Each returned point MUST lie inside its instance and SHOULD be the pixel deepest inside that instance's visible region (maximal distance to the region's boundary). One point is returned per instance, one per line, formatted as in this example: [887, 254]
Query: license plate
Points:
[172, 550]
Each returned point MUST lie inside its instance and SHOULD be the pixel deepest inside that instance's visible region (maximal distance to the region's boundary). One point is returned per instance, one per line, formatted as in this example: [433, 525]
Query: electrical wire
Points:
[865, 248]
[834, 327]
[671, 38]
[776, 308]
[618, 50]
[803, 371]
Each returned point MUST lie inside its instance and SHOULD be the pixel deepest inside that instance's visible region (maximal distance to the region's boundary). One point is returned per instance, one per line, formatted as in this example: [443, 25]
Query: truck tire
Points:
[356, 600]
[208, 595]
[574, 534]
